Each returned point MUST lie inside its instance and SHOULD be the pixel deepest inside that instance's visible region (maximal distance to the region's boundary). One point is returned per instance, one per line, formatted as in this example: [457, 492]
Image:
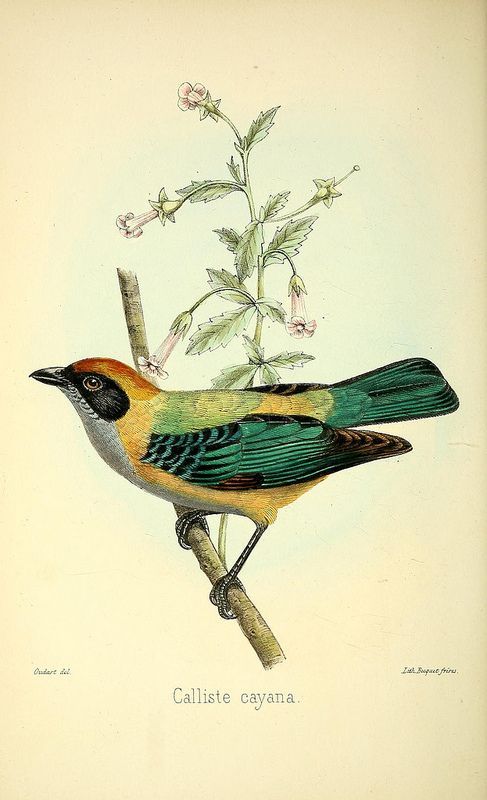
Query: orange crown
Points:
[130, 381]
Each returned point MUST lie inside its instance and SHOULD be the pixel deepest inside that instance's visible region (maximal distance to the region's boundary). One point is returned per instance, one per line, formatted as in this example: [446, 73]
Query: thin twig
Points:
[249, 618]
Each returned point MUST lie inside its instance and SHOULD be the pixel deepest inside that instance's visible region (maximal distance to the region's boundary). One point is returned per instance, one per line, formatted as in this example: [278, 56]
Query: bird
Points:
[247, 452]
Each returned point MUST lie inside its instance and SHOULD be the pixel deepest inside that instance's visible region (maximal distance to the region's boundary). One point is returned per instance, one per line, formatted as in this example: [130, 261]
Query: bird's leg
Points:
[184, 523]
[219, 593]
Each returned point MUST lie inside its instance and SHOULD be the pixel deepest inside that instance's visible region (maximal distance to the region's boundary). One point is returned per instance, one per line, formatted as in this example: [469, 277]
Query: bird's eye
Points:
[92, 383]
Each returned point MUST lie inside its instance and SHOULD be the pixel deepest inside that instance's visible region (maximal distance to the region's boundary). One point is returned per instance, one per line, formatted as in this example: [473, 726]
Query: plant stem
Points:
[245, 294]
[260, 260]
[295, 213]
[282, 253]
[245, 164]
[260, 294]
[230, 123]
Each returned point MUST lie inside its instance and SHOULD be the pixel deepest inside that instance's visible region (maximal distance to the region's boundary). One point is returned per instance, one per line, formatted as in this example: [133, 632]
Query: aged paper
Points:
[380, 571]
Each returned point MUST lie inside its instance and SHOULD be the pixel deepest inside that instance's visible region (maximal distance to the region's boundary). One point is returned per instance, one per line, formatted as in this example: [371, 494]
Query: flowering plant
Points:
[253, 253]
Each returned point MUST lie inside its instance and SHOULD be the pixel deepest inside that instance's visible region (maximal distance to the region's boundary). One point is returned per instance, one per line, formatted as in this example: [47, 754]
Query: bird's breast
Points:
[105, 439]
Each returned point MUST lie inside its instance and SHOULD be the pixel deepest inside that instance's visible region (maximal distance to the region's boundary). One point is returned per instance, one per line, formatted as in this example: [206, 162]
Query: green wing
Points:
[266, 452]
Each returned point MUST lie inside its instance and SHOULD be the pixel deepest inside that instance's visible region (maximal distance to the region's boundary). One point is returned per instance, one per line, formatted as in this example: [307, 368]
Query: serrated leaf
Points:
[273, 309]
[260, 127]
[219, 331]
[228, 237]
[221, 279]
[289, 360]
[290, 237]
[249, 250]
[204, 191]
[253, 350]
[239, 376]
[234, 170]
[274, 204]
[268, 374]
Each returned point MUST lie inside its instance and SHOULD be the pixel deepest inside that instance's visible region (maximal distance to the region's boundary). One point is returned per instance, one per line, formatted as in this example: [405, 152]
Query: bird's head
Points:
[98, 387]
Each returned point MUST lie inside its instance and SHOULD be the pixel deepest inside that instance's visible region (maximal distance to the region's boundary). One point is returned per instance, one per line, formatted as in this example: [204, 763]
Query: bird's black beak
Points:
[53, 375]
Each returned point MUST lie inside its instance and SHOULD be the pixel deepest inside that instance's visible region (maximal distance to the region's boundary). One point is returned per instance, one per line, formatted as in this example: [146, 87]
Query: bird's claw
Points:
[219, 595]
[183, 526]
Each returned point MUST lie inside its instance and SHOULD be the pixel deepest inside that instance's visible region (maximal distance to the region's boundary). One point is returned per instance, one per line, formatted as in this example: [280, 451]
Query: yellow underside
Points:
[260, 505]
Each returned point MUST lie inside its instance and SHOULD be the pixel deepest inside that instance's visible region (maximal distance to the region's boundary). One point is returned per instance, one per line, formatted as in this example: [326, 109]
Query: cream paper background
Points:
[381, 567]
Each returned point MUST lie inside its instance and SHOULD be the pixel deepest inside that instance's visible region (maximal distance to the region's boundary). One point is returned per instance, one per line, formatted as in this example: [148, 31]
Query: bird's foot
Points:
[184, 523]
[219, 595]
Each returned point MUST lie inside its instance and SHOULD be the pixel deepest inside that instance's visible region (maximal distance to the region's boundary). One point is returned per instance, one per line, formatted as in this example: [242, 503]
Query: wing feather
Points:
[267, 452]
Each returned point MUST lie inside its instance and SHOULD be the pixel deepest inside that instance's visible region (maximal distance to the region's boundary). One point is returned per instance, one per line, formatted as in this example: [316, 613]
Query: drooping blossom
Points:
[191, 96]
[154, 365]
[299, 325]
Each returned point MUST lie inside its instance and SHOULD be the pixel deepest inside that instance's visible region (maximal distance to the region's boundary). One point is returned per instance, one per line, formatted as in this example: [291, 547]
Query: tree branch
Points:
[250, 620]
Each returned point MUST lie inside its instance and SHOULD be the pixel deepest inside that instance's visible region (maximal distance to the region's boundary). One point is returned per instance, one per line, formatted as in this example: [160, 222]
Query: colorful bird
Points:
[248, 452]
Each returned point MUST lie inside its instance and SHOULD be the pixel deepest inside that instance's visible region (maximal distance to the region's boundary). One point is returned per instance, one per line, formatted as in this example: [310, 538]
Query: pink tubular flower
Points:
[153, 365]
[191, 96]
[130, 226]
[299, 326]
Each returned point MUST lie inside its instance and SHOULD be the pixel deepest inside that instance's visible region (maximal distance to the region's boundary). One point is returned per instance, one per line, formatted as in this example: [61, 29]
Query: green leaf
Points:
[219, 331]
[290, 237]
[240, 376]
[229, 237]
[290, 360]
[234, 170]
[268, 307]
[260, 128]
[221, 279]
[253, 350]
[274, 204]
[268, 374]
[204, 191]
[249, 250]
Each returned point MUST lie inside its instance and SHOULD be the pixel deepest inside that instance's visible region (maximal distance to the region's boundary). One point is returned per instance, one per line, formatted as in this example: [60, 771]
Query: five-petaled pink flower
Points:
[299, 325]
[191, 96]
